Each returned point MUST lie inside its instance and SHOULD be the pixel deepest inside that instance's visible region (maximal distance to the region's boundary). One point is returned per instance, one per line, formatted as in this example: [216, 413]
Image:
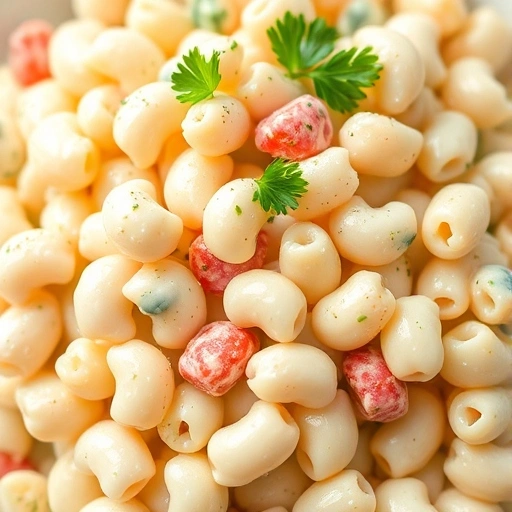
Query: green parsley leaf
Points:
[339, 81]
[280, 186]
[299, 46]
[197, 77]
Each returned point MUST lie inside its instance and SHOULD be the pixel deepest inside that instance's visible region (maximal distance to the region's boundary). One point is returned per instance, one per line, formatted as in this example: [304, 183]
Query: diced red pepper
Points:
[9, 463]
[298, 130]
[215, 359]
[376, 392]
[28, 51]
[214, 274]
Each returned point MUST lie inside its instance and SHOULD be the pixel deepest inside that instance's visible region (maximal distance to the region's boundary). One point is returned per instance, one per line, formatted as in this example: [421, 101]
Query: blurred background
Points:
[12, 12]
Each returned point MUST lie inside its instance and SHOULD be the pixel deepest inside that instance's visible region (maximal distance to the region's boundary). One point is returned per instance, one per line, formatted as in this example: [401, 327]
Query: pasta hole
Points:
[417, 377]
[305, 462]
[306, 238]
[133, 489]
[364, 485]
[184, 429]
[470, 332]
[471, 416]
[444, 303]
[444, 232]
[487, 302]
[452, 167]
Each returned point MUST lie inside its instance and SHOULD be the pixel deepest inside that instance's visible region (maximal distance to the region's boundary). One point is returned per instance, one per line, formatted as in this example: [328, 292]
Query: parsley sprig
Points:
[280, 186]
[196, 78]
[339, 81]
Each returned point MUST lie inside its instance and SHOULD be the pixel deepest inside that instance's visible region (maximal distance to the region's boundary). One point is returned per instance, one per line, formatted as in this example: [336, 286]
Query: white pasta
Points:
[334, 425]
[117, 456]
[255, 256]
[125, 56]
[20, 490]
[276, 304]
[137, 225]
[391, 227]
[307, 254]
[414, 450]
[154, 107]
[144, 384]
[293, 372]
[344, 322]
[282, 485]
[411, 340]
[169, 293]
[379, 145]
[247, 449]
[191, 419]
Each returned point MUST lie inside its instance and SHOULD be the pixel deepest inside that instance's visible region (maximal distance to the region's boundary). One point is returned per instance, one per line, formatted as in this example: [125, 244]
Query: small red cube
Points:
[298, 130]
[376, 392]
[216, 357]
[214, 274]
[28, 51]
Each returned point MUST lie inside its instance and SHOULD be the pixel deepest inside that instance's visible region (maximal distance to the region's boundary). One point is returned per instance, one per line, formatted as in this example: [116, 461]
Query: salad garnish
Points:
[196, 78]
[301, 47]
[280, 186]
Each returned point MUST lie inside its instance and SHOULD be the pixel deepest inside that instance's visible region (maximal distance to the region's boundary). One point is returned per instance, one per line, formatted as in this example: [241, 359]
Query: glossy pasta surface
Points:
[237, 278]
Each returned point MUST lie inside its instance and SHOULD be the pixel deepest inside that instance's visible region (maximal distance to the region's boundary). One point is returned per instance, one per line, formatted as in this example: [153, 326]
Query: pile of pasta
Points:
[388, 286]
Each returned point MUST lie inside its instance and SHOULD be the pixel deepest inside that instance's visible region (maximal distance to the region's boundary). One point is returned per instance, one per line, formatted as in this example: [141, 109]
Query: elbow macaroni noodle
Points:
[400, 248]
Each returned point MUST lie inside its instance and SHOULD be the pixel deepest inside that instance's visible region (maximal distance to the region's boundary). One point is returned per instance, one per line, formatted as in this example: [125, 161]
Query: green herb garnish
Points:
[340, 80]
[280, 186]
[197, 77]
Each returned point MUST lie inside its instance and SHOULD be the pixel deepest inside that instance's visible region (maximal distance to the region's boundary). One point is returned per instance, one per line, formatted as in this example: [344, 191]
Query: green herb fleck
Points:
[238, 210]
[361, 318]
[407, 240]
[234, 45]
[135, 206]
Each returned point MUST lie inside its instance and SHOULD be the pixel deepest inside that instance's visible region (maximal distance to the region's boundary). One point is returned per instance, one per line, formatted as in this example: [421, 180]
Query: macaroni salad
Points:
[255, 257]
